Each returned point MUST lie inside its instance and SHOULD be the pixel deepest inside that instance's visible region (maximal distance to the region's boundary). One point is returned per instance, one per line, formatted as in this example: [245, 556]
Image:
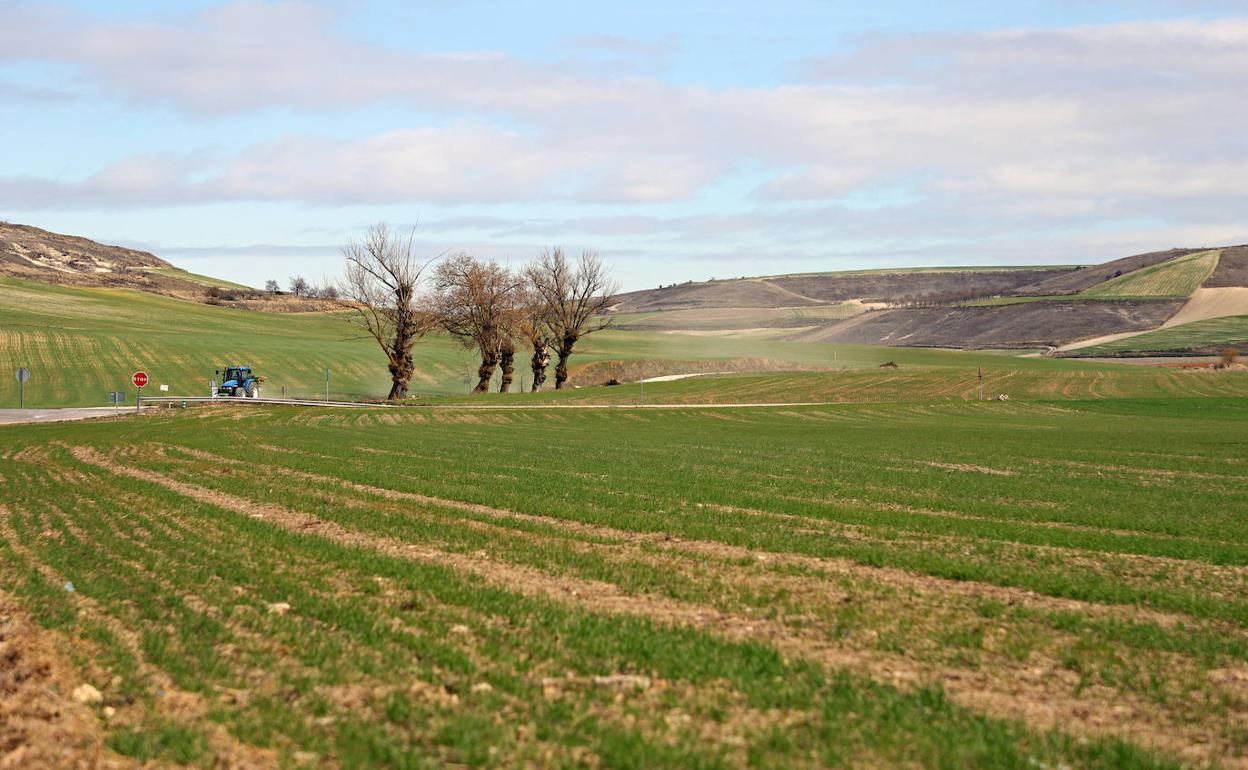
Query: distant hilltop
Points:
[39, 255]
[33, 253]
[1055, 307]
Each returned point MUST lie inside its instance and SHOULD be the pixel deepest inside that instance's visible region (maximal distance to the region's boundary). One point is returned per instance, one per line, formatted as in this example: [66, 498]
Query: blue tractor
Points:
[238, 382]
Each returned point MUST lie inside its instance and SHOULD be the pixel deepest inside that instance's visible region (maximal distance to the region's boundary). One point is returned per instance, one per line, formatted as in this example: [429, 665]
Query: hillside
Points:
[1048, 307]
[801, 290]
[1064, 308]
[39, 255]
[82, 342]
[1022, 325]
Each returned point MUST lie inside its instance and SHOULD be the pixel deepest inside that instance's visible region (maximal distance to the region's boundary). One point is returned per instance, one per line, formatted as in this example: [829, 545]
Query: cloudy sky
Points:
[687, 140]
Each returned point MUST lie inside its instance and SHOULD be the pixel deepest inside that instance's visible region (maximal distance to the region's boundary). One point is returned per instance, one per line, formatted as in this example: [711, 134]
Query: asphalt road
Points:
[16, 416]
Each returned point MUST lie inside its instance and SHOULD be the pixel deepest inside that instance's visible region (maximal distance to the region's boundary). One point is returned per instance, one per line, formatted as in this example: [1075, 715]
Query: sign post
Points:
[23, 374]
[981, 383]
[139, 379]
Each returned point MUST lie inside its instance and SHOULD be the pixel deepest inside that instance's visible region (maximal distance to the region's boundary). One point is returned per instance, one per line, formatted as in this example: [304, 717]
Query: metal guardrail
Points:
[152, 400]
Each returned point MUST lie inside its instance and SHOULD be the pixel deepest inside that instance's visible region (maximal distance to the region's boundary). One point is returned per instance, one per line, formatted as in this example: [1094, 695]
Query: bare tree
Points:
[533, 325]
[299, 286]
[474, 300]
[272, 286]
[380, 288]
[577, 297]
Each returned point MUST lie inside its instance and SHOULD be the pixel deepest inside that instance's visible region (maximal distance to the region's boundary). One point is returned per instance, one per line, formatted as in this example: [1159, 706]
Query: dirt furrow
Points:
[895, 578]
[1041, 698]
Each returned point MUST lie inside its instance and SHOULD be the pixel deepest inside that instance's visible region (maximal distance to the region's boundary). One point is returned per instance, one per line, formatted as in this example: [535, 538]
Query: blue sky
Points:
[681, 140]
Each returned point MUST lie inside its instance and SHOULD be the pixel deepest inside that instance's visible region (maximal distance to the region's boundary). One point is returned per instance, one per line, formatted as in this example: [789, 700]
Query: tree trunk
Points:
[561, 369]
[485, 372]
[507, 357]
[538, 363]
[402, 366]
[400, 377]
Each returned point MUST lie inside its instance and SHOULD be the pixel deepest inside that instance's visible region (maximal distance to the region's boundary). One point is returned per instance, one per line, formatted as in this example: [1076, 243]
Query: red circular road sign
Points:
[140, 379]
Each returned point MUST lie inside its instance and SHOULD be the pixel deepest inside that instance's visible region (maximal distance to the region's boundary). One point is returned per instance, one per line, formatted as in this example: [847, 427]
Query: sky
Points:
[681, 141]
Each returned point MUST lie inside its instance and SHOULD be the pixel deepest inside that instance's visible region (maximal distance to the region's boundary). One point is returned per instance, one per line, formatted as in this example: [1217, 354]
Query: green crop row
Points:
[639, 588]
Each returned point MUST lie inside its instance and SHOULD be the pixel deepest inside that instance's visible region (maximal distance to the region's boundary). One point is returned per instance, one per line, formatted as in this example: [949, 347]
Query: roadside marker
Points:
[23, 374]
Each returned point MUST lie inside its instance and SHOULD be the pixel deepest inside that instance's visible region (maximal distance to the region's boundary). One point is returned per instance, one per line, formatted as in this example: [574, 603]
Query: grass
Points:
[1210, 335]
[81, 343]
[919, 585]
[906, 384]
[715, 319]
[1177, 277]
[202, 280]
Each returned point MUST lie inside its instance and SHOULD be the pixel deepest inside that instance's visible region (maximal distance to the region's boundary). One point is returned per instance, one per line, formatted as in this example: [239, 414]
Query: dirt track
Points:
[1211, 303]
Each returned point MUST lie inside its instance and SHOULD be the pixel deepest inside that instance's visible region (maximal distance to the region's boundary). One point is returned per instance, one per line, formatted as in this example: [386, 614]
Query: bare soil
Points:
[1232, 269]
[41, 726]
[827, 288]
[1024, 325]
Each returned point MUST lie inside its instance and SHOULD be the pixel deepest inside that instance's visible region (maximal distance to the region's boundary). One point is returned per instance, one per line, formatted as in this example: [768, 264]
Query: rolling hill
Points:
[1029, 307]
[39, 255]
[83, 316]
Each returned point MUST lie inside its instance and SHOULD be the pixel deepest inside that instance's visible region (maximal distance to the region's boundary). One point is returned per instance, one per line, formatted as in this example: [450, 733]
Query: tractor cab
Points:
[235, 375]
[238, 381]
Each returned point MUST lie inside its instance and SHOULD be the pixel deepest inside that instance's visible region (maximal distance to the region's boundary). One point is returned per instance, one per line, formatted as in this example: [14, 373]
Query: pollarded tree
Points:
[533, 326]
[379, 290]
[474, 300]
[577, 296]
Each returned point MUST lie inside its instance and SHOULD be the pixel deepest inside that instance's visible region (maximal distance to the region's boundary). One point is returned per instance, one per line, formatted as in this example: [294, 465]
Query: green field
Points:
[908, 384]
[82, 343]
[1211, 335]
[942, 585]
[1177, 277]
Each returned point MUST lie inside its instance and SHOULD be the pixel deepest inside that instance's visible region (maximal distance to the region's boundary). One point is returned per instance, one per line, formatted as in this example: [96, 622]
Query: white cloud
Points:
[997, 132]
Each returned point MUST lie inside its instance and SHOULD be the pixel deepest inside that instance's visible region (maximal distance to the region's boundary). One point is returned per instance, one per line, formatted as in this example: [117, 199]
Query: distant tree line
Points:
[302, 287]
[545, 308]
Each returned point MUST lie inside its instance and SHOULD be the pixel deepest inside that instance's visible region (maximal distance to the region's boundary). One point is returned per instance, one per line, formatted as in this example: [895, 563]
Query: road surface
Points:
[15, 416]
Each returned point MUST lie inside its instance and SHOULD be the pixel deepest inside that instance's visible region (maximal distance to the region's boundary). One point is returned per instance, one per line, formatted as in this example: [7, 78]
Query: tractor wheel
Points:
[253, 390]
[238, 393]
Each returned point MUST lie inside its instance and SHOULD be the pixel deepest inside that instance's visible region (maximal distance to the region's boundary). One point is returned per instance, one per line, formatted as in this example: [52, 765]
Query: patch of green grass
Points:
[81, 343]
[1208, 335]
[166, 741]
[1177, 277]
[1129, 506]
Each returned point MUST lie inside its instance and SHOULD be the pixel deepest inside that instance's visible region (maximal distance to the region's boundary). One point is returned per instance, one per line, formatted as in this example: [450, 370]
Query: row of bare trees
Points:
[548, 306]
